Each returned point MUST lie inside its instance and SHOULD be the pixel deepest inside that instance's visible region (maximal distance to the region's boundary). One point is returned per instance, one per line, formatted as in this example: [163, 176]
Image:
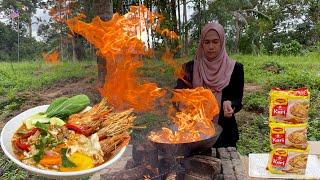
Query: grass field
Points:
[261, 74]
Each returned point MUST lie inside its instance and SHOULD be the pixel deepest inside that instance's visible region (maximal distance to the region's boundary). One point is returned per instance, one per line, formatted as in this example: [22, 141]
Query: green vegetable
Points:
[43, 142]
[65, 161]
[64, 108]
[32, 120]
[42, 126]
[56, 102]
[57, 121]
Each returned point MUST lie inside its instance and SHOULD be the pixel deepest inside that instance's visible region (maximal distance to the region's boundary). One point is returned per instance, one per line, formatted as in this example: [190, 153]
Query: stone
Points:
[223, 153]
[215, 162]
[227, 167]
[234, 154]
[213, 152]
[231, 149]
[229, 177]
[238, 169]
[205, 167]
[219, 177]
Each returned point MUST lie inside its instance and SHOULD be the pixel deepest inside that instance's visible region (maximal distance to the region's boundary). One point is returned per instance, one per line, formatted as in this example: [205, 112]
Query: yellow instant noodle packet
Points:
[289, 106]
[288, 135]
[283, 161]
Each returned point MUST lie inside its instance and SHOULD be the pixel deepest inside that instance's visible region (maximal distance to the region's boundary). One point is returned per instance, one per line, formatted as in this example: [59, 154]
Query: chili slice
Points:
[76, 128]
[22, 146]
[30, 133]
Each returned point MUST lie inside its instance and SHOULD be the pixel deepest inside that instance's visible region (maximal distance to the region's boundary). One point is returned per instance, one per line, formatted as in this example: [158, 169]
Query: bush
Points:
[315, 48]
[291, 48]
[314, 133]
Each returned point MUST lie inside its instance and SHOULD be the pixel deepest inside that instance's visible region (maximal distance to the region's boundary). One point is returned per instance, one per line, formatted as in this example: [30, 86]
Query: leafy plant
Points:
[291, 48]
[313, 130]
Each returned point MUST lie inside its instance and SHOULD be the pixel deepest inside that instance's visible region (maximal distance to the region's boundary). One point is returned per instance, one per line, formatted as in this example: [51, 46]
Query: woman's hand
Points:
[227, 109]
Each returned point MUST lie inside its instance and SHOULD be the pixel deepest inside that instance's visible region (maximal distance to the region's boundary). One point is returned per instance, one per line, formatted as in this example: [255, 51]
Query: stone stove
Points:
[147, 162]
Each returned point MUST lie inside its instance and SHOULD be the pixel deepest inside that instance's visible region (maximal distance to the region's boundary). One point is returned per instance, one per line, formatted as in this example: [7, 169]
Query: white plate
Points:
[259, 162]
[10, 128]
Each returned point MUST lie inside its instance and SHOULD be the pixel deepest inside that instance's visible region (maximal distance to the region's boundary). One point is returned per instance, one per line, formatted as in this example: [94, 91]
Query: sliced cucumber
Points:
[32, 120]
[57, 121]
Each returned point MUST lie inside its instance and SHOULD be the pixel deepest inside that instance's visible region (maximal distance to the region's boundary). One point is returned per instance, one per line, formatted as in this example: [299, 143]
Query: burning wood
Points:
[193, 121]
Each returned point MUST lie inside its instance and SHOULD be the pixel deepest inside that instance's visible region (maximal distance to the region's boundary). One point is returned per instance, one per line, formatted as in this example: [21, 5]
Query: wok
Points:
[187, 149]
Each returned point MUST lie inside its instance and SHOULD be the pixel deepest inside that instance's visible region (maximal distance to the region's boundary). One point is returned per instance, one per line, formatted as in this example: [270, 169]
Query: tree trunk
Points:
[237, 33]
[179, 28]
[185, 27]
[74, 56]
[174, 15]
[61, 43]
[204, 19]
[199, 17]
[151, 30]
[30, 25]
[104, 9]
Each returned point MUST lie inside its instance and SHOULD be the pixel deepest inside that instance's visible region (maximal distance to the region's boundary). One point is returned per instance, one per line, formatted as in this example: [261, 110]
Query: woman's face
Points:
[211, 45]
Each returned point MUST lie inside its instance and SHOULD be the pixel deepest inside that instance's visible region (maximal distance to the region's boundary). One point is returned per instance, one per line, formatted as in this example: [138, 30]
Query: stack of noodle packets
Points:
[288, 118]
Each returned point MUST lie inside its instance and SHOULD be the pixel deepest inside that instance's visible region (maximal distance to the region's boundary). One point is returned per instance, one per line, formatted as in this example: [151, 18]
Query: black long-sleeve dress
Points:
[233, 92]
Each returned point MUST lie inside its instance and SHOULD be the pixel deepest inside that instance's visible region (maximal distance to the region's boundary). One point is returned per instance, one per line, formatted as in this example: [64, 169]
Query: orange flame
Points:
[51, 58]
[197, 108]
[167, 57]
[117, 41]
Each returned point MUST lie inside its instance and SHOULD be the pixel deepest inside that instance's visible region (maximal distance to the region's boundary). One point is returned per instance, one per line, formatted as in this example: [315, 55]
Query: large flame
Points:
[193, 120]
[51, 58]
[118, 43]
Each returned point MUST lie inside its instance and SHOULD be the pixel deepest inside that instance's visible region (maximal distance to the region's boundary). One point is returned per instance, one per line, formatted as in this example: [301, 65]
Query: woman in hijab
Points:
[213, 69]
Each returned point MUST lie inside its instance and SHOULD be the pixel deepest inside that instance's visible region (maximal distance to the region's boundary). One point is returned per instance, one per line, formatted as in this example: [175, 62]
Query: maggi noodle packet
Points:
[288, 135]
[282, 161]
[289, 106]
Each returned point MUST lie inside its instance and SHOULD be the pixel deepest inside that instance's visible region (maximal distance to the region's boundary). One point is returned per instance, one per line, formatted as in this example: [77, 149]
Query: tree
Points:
[185, 39]
[103, 9]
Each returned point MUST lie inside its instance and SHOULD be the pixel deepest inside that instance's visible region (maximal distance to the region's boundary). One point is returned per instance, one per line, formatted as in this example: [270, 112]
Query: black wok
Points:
[187, 149]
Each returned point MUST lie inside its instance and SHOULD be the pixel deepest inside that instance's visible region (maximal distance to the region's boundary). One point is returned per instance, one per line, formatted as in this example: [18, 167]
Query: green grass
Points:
[20, 76]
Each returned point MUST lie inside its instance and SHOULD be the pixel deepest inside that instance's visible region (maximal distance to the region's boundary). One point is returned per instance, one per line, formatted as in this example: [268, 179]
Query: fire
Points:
[193, 120]
[118, 43]
[51, 58]
[167, 57]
